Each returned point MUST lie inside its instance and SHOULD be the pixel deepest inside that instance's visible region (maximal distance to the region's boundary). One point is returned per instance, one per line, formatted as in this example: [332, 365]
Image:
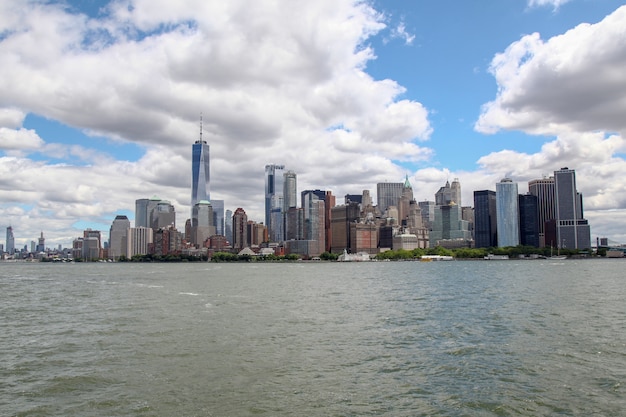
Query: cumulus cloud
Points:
[272, 83]
[572, 82]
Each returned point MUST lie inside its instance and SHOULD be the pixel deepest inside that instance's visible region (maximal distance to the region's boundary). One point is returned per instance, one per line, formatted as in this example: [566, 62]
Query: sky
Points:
[100, 102]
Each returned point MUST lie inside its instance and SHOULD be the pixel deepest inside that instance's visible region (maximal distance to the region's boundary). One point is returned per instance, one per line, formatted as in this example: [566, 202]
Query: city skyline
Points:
[100, 105]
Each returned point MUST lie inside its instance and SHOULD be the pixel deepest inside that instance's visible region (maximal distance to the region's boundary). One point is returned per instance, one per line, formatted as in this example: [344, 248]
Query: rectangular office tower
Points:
[485, 224]
[274, 180]
[572, 230]
[507, 213]
[388, 194]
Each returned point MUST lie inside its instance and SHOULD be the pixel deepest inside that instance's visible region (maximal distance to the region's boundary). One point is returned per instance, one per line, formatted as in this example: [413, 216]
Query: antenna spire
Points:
[200, 127]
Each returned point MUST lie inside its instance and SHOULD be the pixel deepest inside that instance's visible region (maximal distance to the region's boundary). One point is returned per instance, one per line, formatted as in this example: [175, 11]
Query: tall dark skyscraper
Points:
[543, 189]
[572, 230]
[274, 201]
[200, 171]
[528, 220]
[485, 232]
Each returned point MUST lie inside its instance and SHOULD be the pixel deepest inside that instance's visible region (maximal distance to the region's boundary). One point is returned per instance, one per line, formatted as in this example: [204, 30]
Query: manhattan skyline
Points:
[99, 103]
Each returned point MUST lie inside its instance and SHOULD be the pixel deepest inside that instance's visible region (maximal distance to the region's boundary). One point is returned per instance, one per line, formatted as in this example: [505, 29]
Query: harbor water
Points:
[460, 338]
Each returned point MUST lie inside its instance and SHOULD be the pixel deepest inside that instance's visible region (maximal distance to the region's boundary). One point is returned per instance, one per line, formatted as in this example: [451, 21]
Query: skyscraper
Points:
[507, 213]
[544, 190]
[388, 194]
[449, 193]
[200, 171]
[528, 220]
[202, 226]
[240, 229]
[274, 201]
[10, 248]
[572, 229]
[118, 237]
[218, 216]
[292, 219]
[485, 224]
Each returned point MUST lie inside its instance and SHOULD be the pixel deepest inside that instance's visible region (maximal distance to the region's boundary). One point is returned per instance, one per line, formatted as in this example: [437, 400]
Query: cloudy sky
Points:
[100, 101]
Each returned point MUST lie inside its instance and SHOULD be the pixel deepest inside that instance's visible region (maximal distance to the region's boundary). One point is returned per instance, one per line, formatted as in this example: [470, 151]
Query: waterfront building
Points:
[507, 213]
[118, 237]
[312, 228]
[545, 192]
[363, 238]
[10, 241]
[274, 201]
[388, 194]
[139, 241]
[572, 229]
[340, 219]
[218, 216]
[528, 220]
[485, 220]
[167, 240]
[240, 229]
[449, 230]
[405, 241]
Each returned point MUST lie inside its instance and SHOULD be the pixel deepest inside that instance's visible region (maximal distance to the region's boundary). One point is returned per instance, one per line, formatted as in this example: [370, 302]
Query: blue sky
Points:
[100, 101]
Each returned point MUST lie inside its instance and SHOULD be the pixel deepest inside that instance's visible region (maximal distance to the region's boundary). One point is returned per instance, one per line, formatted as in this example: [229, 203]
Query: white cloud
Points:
[574, 82]
[19, 140]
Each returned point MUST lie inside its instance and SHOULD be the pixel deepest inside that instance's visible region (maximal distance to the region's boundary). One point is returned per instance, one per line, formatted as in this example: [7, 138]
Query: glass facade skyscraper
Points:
[485, 225]
[507, 213]
[200, 172]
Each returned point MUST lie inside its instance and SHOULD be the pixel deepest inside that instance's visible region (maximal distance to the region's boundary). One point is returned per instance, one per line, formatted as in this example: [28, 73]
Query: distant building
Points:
[507, 213]
[202, 226]
[388, 194]
[528, 220]
[427, 209]
[341, 218]
[118, 237]
[449, 230]
[449, 193]
[545, 192]
[139, 241]
[240, 229]
[572, 229]
[200, 171]
[485, 224]
[274, 200]
[10, 240]
[218, 216]
[41, 245]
